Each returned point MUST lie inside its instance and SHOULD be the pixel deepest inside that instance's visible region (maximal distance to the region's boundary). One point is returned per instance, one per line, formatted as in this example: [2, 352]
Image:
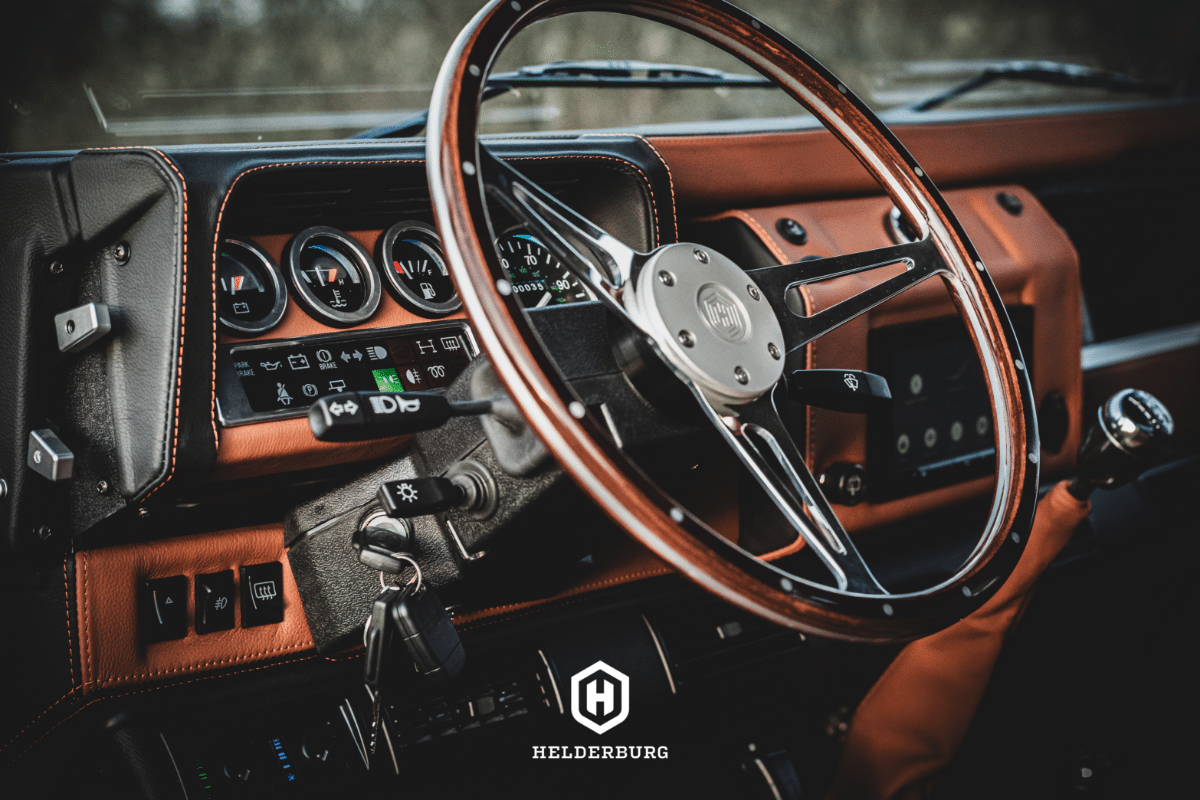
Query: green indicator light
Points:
[387, 380]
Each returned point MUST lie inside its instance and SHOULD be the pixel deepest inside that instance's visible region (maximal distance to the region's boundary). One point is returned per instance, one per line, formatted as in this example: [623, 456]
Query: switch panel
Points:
[262, 594]
[164, 609]
[214, 601]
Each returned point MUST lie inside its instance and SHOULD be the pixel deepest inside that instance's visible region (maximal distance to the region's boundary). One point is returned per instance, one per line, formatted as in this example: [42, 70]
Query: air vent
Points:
[350, 198]
[376, 196]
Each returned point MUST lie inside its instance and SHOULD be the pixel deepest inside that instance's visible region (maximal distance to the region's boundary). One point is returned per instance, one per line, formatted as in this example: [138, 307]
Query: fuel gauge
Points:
[410, 255]
[333, 277]
[250, 294]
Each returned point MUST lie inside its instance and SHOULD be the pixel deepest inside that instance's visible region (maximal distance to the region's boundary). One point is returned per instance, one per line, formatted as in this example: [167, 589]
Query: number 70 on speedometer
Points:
[538, 278]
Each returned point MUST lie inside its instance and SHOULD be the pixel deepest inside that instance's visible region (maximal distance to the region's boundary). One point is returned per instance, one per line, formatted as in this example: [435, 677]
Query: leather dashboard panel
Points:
[1029, 257]
[287, 445]
[106, 584]
[778, 167]
[107, 580]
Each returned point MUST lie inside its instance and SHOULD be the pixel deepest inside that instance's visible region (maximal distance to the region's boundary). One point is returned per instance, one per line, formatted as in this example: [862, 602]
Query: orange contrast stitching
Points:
[182, 329]
[85, 629]
[35, 719]
[645, 177]
[670, 182]
[105, 682]
[129, 694]
[67, 605]
[229, 193]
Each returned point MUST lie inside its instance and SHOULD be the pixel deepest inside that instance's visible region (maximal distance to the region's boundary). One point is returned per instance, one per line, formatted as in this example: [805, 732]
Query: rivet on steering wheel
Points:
[688, 302]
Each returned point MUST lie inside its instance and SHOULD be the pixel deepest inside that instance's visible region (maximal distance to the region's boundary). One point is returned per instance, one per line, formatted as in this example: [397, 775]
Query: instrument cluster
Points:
[337, 282]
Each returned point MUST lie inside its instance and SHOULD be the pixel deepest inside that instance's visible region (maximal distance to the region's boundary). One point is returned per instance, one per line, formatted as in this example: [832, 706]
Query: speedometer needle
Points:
[546, 298]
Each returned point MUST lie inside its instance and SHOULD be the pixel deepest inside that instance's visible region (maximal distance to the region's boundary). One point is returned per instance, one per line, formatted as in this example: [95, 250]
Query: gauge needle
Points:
[546, 298]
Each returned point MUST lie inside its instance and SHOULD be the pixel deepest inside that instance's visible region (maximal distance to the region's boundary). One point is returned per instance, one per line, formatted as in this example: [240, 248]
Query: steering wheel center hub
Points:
[711, 321]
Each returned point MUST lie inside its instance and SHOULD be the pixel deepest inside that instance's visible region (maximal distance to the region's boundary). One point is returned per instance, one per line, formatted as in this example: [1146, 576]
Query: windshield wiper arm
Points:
[1056, 73]
[591, 74]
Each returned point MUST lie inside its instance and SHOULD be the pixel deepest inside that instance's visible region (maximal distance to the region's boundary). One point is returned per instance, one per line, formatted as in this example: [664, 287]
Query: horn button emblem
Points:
[724, 313]
[710, 320]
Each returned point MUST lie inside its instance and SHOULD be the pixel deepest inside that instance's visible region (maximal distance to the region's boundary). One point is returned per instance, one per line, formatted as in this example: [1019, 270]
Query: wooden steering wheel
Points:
[734, 362]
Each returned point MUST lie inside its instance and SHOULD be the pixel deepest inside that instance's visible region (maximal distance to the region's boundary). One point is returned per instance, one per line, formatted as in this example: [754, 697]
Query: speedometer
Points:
[538, 278]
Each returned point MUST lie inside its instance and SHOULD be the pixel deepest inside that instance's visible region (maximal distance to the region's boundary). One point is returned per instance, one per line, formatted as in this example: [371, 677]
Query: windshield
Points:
[124, 72]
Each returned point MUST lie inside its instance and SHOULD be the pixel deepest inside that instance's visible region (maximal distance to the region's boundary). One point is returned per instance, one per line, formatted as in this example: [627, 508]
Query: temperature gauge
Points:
[410, 255]
[333, 277]
[250, 294]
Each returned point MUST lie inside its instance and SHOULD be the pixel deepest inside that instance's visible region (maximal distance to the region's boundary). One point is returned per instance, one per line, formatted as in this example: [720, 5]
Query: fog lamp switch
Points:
[214, 601]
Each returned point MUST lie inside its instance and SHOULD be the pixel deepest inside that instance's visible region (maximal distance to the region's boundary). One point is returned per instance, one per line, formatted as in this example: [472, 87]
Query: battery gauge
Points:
[251, 297]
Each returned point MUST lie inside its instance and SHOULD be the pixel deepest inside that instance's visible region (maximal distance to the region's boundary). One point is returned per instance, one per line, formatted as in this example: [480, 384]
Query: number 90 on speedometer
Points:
[538, 278]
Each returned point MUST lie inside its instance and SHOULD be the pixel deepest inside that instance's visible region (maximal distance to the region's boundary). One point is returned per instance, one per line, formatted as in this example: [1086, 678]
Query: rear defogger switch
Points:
[262, 594]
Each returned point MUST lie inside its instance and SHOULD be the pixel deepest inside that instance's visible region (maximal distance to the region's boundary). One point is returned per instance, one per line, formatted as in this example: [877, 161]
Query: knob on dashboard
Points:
[1131, 427]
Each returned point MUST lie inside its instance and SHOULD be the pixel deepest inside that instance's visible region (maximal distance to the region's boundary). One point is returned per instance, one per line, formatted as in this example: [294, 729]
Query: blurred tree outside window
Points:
[117, 72]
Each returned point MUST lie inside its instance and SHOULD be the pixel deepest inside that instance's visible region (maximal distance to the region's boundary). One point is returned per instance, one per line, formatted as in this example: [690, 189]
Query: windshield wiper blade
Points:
[591, 74]
[623, 74]
[1056, 73]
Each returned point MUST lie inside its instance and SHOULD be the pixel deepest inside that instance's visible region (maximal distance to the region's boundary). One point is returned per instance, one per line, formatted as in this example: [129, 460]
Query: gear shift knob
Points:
[1131, 428]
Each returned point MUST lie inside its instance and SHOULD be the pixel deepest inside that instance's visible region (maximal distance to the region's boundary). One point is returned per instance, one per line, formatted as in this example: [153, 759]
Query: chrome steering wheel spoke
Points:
[725, 333]
[572, 238]
[920, 260]
[761, 441]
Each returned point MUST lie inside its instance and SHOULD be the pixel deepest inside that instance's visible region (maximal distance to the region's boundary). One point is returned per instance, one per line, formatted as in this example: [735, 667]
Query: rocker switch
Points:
[262, 594]
[214, 602]
[164, 609]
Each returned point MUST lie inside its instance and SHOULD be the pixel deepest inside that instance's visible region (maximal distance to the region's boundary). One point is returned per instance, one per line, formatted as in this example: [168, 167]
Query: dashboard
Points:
[247, 284]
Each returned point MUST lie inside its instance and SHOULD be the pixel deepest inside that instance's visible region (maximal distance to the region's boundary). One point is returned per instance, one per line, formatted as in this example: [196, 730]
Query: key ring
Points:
[389, 588]
[402, 557]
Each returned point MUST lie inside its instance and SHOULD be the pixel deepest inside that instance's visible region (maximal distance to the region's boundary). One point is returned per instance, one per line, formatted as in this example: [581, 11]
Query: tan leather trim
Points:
[779, 167]
[266, 448]
[106, 585]
[296, 322]
[912, 721]
[287, 445]
[1028, 256]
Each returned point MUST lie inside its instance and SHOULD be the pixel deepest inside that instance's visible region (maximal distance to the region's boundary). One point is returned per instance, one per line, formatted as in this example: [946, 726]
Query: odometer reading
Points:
[538, 278]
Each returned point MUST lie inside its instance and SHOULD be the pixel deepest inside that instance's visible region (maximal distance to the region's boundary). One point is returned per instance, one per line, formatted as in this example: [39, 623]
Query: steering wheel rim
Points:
[463, 175]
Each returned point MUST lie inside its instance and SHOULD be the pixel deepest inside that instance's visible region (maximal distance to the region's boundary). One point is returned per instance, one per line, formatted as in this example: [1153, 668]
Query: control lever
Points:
[358, 416]
[849, 390]
[417, 497]
[1131, 428]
